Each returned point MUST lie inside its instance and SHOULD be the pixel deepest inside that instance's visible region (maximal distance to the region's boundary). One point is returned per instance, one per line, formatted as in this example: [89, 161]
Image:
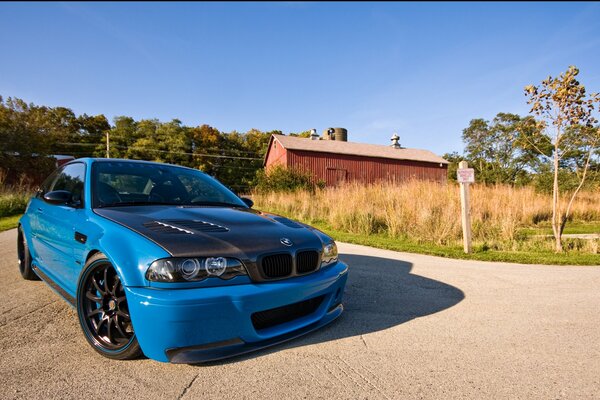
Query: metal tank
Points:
[339, 134]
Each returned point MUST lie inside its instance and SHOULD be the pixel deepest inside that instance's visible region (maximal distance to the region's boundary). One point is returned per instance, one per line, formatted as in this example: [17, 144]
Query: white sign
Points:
[465, 175]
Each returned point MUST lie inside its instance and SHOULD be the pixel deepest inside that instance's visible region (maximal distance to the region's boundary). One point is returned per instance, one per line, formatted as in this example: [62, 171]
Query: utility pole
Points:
[465, 177]
[108, 144]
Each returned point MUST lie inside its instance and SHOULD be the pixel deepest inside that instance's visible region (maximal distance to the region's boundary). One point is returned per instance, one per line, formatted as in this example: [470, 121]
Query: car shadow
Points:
[380, 293]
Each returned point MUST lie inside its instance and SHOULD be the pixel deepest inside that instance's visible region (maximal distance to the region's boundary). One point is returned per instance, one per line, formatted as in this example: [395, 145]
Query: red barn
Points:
[335, 161]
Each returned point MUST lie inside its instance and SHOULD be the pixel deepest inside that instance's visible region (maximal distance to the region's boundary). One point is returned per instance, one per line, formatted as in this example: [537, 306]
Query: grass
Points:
[426, 211]
[10, 222]
[571, 228]
[480, 253]
[424, 217]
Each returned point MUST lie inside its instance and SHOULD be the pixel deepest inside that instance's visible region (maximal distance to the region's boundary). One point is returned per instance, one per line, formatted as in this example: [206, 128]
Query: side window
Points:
[71, 179]
[47, 184]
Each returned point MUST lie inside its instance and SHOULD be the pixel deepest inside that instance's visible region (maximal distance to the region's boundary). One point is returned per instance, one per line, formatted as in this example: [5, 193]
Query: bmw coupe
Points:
[165, 261]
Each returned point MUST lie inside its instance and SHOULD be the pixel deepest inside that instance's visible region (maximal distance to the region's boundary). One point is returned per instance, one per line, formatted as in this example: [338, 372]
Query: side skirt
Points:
[54, 286]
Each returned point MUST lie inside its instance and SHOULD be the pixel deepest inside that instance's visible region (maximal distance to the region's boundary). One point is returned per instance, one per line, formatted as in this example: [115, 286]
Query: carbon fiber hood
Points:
[240, 233]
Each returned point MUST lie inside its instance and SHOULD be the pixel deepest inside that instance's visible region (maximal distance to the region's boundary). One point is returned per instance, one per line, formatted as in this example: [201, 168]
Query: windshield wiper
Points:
[138, 203]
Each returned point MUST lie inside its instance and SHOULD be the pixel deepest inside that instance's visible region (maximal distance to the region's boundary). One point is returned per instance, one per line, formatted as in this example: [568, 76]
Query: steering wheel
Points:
[108, 194]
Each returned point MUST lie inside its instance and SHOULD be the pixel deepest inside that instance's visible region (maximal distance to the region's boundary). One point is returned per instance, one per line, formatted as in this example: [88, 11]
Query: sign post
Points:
[465, 176]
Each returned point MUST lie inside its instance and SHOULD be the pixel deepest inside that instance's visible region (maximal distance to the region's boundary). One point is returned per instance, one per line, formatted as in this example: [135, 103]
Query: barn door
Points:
[335, 176]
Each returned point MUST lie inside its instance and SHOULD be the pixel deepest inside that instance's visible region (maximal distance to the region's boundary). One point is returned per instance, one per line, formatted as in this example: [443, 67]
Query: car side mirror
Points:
[248, 202]
[58, 197]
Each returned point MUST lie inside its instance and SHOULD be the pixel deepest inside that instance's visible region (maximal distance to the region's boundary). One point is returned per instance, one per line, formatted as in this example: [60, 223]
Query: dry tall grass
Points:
[425, 211]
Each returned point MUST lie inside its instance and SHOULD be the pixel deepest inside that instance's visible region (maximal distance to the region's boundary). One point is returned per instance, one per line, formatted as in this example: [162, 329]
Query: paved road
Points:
[415, 327]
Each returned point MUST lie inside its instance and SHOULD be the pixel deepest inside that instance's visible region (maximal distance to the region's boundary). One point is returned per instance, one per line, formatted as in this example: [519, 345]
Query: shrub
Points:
[13, 198]
[13, 203]
[281, 179]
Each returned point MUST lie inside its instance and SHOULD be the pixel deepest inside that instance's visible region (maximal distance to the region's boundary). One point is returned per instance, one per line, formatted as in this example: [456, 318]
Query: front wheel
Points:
[103, 311]
[24, 256]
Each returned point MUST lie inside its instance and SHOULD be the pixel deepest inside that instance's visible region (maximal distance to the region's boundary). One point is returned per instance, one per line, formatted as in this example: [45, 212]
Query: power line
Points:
[102, 146]
[171, 152]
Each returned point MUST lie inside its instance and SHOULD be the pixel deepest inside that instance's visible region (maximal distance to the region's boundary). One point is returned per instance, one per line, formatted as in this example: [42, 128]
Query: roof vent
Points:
[314, 135]
[395, 141]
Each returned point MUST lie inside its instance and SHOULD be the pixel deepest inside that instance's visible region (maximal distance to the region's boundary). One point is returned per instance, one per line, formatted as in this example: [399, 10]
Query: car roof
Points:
[91, 160]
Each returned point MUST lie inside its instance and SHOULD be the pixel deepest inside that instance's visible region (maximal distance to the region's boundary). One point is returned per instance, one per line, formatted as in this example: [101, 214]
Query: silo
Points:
[339, 134]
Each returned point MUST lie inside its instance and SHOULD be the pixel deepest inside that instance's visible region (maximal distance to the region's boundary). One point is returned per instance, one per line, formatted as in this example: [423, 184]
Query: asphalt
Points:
[415, 327]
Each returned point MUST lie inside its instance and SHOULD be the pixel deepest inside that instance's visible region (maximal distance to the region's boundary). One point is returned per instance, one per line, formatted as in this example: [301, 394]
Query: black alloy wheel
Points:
[103, 311]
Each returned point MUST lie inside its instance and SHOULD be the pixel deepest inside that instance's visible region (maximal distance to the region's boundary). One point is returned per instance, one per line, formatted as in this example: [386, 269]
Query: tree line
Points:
[29, 134]
[515, 150]
[505, 150]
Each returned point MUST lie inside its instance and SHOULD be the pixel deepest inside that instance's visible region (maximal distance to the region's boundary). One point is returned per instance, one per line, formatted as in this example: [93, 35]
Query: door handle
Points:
[40, 210]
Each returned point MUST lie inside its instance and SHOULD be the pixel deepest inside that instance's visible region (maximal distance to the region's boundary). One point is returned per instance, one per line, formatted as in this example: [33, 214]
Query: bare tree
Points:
[567, 125]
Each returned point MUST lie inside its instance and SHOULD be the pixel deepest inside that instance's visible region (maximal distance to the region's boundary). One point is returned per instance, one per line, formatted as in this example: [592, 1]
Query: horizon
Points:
[422, 70]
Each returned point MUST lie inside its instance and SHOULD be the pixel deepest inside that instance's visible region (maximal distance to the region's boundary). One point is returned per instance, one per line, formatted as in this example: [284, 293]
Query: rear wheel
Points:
[25, 258]
[103, 311]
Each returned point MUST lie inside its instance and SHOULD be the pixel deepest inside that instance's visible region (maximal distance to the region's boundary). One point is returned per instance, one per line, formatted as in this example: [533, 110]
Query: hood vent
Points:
[184, 227]
[287, 222]
[196, 225]
[161, 227]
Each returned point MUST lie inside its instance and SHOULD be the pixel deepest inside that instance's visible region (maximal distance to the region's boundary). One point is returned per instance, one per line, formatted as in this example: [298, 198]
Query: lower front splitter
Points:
[234, 347]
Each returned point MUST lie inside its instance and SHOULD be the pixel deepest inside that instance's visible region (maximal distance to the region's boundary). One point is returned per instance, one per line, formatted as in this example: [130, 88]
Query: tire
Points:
[103, 312]
[24, 256]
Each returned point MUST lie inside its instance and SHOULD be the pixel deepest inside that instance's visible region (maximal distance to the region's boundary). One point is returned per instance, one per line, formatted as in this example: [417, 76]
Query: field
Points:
[509, 224]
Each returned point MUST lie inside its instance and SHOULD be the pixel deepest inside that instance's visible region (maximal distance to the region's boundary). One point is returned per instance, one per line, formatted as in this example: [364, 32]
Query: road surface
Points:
[415, 327]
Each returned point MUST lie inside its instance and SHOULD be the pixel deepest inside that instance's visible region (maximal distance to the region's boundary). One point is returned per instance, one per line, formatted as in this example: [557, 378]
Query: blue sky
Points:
[422, 70]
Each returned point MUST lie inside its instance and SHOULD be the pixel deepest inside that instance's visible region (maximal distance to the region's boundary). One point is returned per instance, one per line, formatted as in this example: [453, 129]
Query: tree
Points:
[303, 134]
[453, 159]
[497, 150]
[567, 125]
[29, 133]
[204, 140]
[122, 135]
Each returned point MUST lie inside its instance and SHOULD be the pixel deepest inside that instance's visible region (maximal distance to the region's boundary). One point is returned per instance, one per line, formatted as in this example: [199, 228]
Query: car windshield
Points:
[126, 183]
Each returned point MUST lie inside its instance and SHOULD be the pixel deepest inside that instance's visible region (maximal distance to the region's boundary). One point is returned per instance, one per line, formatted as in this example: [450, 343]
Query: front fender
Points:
[129, 252]
[25, 226]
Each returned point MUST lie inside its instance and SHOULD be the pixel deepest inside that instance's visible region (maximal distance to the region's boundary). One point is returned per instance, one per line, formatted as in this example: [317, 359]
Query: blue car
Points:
[165, 261]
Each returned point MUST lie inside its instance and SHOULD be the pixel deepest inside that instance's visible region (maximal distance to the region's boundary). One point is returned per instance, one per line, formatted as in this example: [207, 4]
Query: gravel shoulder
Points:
[415, 327]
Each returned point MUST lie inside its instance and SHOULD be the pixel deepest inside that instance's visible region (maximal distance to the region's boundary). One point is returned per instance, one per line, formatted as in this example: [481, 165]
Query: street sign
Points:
[465, 175]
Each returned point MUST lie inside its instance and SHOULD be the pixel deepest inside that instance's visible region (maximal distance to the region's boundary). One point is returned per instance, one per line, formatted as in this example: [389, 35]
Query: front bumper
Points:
[206, 324]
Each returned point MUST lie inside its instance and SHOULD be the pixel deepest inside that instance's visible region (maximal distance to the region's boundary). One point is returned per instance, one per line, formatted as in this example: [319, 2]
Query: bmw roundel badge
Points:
[286, 242]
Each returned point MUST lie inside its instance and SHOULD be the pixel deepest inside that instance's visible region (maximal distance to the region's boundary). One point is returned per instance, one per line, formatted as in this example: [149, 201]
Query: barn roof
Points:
[357, 149]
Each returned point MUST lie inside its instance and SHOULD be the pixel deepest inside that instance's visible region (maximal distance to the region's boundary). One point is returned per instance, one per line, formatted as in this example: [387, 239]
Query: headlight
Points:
[330, 254]
[194, 269]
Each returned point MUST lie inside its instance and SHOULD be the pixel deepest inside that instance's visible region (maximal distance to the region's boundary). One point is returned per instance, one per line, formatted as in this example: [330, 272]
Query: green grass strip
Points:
[7, 223]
